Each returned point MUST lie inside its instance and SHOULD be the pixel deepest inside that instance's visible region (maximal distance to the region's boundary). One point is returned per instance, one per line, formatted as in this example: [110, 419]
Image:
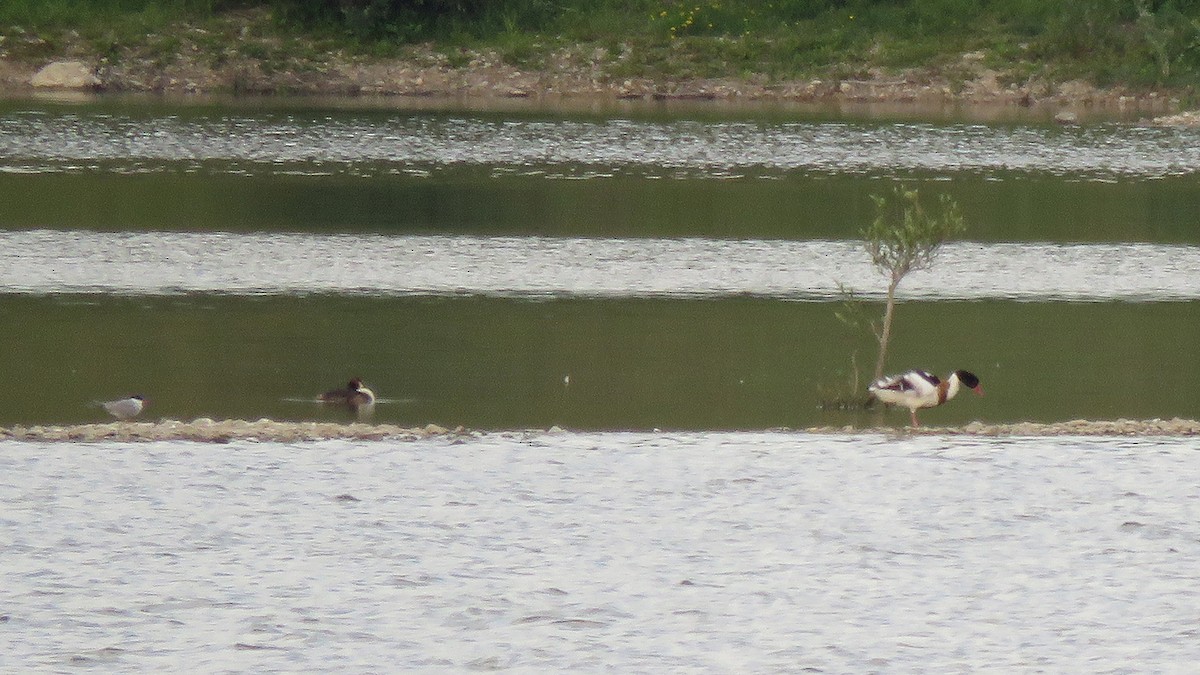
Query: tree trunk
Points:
[885, 335]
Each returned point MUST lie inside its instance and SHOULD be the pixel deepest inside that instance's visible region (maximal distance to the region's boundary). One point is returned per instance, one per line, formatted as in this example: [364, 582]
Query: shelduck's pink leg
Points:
[913, 412]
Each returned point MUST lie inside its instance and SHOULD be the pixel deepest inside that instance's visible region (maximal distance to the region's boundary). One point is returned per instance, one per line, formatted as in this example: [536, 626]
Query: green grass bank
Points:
[1013, 49]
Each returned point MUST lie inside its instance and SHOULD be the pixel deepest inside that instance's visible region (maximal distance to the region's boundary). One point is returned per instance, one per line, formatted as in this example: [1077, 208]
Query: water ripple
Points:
[700, 552]
[73, 142]
[155, 263]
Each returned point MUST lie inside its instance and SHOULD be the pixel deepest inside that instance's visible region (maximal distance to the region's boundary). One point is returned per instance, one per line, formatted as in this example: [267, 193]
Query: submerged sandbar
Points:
[1118, 427]
[225, 431]
[222, 431]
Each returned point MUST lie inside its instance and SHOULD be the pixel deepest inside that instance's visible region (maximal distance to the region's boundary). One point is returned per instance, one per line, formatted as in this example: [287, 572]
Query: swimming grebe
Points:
[354, 395]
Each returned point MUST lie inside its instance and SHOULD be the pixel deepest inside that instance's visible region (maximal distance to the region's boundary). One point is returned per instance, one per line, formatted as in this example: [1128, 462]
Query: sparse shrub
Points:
[905, 237]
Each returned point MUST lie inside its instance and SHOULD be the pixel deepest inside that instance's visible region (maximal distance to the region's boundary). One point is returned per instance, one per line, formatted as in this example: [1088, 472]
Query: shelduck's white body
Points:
[920, 389]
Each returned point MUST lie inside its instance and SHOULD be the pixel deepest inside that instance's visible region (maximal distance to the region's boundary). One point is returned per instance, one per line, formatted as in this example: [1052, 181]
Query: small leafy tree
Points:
[903, 237]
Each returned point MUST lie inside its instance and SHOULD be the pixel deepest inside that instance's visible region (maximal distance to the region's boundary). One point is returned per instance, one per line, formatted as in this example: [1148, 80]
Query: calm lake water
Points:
[692, 552]
[632, 363]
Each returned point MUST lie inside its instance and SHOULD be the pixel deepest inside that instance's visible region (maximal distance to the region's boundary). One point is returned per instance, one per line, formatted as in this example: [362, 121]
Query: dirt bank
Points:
[225, 431]
[427, 75]
[239, 56]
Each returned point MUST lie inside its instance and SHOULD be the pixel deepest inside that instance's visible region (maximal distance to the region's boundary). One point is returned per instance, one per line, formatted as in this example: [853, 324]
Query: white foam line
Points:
[164, 263]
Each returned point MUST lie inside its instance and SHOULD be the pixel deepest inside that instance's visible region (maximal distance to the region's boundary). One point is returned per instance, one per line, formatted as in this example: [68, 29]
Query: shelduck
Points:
[920, 389]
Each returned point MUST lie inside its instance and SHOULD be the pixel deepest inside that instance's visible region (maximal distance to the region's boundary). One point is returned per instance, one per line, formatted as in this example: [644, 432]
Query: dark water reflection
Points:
[632, 363]
[1003, 207]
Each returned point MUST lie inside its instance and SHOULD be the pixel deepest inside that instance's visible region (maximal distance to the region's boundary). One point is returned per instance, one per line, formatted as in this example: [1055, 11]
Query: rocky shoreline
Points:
[225, 431]
[485, 80]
